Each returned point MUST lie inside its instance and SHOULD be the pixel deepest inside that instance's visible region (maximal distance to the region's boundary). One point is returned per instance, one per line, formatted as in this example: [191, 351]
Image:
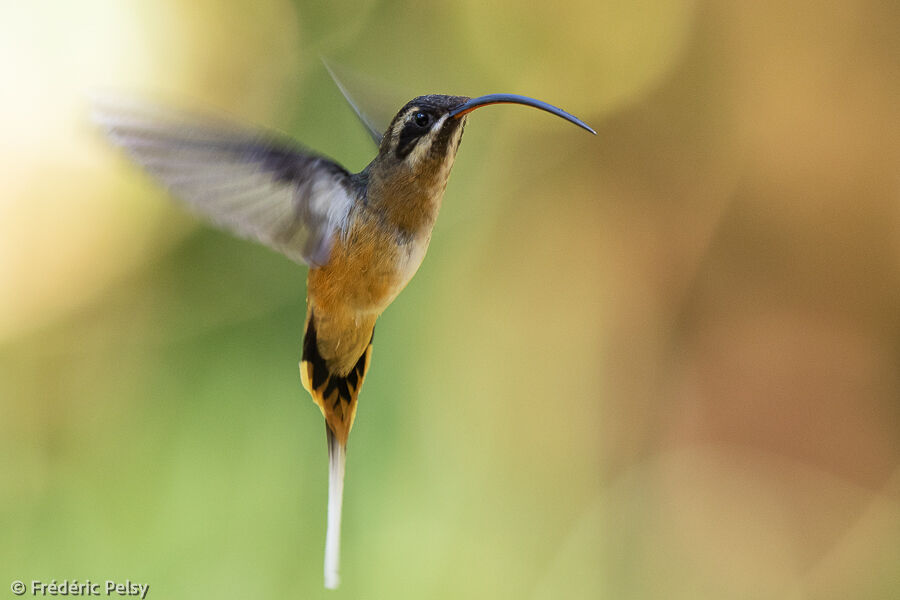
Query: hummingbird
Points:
[363, 235]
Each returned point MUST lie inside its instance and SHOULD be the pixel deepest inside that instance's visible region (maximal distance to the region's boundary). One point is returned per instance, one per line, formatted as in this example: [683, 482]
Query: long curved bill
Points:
[474, 103]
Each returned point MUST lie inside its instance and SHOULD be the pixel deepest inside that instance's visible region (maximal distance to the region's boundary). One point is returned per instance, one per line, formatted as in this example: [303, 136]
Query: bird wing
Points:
[374, 132]
[254, 184]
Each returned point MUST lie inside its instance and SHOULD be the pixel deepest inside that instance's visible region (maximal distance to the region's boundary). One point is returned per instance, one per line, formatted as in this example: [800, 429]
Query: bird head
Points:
[422, 139]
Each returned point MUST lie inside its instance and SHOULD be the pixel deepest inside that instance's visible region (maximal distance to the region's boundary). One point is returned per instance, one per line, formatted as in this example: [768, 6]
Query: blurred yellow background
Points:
[657, 363]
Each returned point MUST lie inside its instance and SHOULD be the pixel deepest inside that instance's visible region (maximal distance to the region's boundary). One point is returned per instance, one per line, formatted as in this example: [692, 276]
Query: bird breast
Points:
[369, 266]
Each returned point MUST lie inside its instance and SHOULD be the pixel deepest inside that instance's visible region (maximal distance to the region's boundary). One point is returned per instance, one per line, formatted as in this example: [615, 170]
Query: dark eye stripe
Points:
[408, 138]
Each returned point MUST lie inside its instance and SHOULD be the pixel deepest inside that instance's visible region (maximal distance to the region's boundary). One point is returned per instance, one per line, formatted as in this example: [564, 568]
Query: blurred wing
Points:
[365, 119]
[251, 184]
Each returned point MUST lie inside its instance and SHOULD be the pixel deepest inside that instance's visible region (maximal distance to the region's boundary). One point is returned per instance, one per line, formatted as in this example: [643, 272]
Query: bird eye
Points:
[422, 119]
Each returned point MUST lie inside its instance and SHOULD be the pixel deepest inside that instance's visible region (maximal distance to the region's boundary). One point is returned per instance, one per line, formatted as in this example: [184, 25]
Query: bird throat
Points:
[409, 194]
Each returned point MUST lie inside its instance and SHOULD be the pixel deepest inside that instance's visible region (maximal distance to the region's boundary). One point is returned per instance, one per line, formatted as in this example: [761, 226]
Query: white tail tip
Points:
[337, 458]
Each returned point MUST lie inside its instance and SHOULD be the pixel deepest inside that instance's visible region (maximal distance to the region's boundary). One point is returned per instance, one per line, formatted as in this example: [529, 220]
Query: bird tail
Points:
[337, 458]
[336, 396]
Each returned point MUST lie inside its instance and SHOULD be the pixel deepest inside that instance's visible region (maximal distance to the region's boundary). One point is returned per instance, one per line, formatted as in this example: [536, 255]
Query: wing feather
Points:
[254, 184]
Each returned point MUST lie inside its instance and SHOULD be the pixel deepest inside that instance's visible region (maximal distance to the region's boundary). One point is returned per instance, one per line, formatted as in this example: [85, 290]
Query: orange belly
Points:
[368, 267]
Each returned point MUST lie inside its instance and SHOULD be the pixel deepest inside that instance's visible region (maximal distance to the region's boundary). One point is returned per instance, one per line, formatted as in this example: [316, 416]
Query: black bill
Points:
[474, 103]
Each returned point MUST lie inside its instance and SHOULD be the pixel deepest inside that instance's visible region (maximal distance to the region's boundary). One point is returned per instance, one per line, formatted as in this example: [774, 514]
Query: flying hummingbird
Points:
[363, 234]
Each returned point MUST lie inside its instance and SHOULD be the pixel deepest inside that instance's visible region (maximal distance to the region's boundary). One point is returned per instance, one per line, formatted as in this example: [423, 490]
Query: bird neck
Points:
[406, 199]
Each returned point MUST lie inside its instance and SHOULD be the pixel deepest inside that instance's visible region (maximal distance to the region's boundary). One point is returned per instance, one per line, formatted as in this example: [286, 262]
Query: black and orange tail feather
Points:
[335, 395]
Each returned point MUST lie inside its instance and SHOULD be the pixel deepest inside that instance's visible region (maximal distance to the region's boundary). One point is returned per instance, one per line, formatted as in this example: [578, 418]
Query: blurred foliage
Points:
[656, 363]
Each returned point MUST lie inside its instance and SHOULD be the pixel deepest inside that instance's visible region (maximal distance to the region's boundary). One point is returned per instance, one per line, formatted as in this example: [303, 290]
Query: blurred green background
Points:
[657, 363]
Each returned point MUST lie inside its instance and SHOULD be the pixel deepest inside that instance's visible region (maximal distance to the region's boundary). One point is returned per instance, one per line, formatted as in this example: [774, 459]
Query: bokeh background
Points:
[661, 362]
